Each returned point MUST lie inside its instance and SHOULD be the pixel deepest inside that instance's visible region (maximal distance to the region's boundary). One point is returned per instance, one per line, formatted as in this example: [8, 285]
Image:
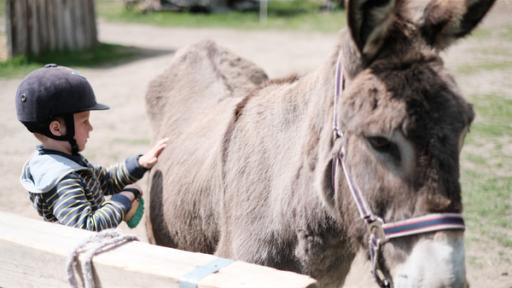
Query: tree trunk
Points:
[37, 26]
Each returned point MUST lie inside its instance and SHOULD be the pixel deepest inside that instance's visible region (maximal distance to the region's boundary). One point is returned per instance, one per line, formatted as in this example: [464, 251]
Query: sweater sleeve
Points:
[115, 178]
[72, 208]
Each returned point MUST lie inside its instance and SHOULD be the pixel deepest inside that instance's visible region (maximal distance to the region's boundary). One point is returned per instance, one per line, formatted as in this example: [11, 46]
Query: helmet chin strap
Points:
[70, 133]
[69, 121]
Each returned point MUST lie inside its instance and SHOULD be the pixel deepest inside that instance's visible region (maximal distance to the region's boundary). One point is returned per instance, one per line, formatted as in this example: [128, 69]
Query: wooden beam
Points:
[34, 254]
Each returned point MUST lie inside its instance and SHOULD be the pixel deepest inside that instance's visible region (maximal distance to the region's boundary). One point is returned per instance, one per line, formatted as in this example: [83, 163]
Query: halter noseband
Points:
[381, 232]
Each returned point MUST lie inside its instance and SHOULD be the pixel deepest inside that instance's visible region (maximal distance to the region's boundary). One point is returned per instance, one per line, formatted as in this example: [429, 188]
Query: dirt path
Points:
[124, 129]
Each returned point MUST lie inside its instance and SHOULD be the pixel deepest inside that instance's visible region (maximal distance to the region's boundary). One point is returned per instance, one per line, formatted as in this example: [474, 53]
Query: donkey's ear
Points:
[369, 22]
[445, 21]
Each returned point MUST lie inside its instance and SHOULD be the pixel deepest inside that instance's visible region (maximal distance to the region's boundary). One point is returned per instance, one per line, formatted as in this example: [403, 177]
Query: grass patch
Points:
[103, 54]
[2, 8]
[487, 189]
[16, 66]
[475, 158]
[295, 14]
[487, 205]
[494, 117]
[488, 66]
[507, 32]
[481, 33]
[500, 51]
[489, 57]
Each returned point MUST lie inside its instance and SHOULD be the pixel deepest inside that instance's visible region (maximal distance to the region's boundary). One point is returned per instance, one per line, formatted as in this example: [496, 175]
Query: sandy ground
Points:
[124, 130]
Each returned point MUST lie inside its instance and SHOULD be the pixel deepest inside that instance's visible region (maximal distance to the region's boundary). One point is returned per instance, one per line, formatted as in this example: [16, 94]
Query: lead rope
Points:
[100, 242]
[377, 237]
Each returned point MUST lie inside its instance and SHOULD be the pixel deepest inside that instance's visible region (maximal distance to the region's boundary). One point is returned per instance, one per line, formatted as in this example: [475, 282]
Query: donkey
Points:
[300, 173]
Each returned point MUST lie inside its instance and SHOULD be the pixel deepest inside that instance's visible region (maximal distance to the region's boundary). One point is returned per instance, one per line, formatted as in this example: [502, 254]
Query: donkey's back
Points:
[193, 102]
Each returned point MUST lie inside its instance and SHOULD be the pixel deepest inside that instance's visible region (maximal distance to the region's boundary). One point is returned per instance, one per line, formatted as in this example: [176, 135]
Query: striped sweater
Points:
[71, 191]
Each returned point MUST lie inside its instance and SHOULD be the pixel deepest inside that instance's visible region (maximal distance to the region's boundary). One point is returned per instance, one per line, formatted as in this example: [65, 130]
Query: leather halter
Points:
[381, 232]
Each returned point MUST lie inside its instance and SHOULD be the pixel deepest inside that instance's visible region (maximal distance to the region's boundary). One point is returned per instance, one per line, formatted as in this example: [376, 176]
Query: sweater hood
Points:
[43, 171]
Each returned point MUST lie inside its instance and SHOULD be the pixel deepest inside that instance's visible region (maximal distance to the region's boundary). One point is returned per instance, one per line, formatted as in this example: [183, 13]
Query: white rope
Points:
[100, 242]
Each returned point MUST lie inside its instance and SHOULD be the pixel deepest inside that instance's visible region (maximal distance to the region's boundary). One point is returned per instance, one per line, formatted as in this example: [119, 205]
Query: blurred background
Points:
[35, 29]
[121, 45]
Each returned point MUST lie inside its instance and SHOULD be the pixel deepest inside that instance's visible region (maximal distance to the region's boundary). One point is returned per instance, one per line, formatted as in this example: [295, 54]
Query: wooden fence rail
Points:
[36, 26]
[33, 253]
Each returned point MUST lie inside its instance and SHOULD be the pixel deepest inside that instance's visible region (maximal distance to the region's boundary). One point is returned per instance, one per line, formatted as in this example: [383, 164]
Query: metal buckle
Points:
[376, 227]
[377, 239]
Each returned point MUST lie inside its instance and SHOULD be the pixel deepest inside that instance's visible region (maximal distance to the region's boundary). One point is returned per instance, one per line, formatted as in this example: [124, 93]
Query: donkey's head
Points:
[404, 122]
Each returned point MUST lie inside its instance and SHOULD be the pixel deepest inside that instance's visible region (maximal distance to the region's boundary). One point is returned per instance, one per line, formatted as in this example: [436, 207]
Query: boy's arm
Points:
[71, 207]
[115, 178]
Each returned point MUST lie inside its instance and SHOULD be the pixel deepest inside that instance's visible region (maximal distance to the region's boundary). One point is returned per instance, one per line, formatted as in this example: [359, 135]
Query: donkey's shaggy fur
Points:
[247, 172]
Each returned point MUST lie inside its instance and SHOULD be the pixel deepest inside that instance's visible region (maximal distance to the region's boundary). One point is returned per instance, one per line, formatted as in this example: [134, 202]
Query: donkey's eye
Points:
[380, 144]
[383, 145]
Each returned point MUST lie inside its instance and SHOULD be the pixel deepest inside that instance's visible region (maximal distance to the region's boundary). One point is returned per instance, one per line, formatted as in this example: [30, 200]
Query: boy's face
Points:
[82, 129]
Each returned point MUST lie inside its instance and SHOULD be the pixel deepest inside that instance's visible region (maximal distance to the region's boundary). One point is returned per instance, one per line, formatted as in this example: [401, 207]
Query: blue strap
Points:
[191, 279]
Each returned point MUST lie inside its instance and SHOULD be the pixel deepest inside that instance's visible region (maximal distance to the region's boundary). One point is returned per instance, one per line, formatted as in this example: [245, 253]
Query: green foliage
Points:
[16, 66]
[103, 54]
[295, 14]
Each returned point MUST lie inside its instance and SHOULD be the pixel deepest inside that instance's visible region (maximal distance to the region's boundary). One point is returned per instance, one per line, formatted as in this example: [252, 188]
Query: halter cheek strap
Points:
[379, 231]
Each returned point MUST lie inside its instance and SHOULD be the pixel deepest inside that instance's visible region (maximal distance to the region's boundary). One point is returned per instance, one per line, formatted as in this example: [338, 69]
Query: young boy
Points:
[54, 103]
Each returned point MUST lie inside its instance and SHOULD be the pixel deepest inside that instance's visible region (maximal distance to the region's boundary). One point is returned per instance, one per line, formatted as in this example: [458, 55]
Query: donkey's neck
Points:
[315, 94]
[316, 216]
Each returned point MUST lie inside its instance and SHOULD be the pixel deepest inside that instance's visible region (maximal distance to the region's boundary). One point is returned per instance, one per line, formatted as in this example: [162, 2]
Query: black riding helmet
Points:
[50, 92]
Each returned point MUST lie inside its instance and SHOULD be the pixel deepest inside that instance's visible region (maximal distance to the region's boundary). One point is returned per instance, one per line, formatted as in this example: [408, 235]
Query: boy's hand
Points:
[149, 159]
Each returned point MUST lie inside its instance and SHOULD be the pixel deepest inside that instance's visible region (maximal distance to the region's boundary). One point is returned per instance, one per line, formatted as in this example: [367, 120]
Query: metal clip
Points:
[375, 227]
[377, 239]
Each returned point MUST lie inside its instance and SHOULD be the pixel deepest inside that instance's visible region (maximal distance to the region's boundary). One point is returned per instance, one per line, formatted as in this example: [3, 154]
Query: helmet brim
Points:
[99, 106]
